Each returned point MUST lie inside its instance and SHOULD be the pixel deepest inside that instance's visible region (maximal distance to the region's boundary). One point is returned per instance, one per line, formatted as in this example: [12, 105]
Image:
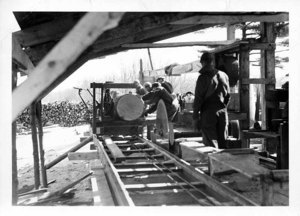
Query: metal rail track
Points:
[145, 174]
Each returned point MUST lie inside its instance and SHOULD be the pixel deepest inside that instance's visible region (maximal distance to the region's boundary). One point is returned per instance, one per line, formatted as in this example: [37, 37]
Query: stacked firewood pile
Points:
[65, 114]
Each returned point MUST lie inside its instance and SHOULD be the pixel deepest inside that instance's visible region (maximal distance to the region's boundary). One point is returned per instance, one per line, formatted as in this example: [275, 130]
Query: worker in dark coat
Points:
[157, 93]
[210, 104]
[168, 86]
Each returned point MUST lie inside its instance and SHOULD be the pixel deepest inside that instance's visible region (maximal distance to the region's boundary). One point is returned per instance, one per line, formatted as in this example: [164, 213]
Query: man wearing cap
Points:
[168, 86]
[210, 104]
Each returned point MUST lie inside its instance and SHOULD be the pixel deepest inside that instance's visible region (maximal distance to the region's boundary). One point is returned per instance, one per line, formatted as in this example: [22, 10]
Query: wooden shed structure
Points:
[52, 45]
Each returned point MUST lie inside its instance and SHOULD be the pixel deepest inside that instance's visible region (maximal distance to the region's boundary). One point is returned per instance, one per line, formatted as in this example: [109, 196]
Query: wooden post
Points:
[94, 110]
[262, 90]
[35, 146]
[230, 31]
[267, 191]
[41, 148]
[102, 103]
[283, 147]
[244, 91]
[149, 129]
[267, 67]
[150, 59]
[141, 74]
[14, 146]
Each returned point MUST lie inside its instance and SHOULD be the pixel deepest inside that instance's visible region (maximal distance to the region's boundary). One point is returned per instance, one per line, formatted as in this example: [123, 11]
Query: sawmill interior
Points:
[135, 159]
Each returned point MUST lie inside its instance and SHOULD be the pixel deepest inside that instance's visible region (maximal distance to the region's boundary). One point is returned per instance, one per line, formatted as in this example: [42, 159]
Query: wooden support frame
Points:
[244, 90]
[50, 68]
[177, 44]
[269, 56]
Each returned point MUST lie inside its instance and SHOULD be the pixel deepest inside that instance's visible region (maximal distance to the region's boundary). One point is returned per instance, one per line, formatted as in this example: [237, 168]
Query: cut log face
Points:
[129, 107]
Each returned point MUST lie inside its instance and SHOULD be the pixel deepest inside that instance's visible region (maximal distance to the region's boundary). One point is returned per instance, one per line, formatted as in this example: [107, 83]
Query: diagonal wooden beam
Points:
[82, 59]
[61, 56]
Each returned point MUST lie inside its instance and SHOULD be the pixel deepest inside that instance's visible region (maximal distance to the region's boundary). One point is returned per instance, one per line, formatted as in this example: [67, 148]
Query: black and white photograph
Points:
[184, 105]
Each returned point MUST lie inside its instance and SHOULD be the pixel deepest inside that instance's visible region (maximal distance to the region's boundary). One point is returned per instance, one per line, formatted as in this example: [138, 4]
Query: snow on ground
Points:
[56, 140]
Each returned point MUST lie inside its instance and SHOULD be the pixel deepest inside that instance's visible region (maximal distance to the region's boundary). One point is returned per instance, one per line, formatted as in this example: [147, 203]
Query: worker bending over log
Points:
[168, 86]
[157, 93]
[210, 104]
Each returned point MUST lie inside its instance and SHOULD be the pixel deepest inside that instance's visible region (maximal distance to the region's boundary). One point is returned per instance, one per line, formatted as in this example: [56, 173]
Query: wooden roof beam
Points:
[50, 31]
[55, 30]
[152, 35]
[143, 26]
[114, 45]
[61, 56]
[233, 18]
[177, 44]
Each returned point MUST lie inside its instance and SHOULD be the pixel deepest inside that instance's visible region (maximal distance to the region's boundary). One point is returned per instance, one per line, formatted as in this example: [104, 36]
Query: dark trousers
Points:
[214, 126]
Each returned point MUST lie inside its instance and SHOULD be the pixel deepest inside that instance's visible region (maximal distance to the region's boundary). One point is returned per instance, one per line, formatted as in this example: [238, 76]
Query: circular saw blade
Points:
[162, 125]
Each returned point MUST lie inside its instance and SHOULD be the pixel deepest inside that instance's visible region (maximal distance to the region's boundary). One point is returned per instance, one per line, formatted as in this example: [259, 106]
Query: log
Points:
[129, 107]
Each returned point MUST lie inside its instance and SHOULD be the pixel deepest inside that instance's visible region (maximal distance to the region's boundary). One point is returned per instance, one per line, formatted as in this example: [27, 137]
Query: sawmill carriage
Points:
[119, 115]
